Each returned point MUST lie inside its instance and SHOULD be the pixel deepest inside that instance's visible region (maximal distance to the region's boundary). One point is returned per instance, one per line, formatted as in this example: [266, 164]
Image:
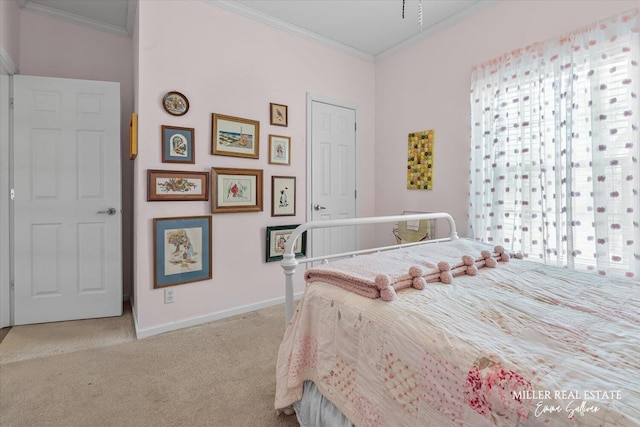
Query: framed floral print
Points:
[181, 250]
[178, 145]
[234, 136]
[279, 114]
[236, 190]
[163, 185]
[279, 150]
[277, 238]
[175, 103]
[283, 196]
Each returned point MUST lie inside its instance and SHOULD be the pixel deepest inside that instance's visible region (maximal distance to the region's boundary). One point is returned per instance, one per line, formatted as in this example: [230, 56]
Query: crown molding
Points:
[290, 28]
[437, 27]
[6, 63]
[131, 16]
[88, 22]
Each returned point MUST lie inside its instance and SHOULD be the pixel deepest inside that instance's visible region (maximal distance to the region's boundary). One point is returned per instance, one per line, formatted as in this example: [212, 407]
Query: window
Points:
[555, 149]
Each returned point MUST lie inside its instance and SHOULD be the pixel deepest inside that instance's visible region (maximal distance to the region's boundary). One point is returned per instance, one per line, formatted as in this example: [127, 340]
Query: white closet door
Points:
[333, 166]
[67, 219]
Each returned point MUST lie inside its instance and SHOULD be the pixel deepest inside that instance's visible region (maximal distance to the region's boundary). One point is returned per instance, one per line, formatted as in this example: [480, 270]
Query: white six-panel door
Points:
[67, 207]
[333, 169]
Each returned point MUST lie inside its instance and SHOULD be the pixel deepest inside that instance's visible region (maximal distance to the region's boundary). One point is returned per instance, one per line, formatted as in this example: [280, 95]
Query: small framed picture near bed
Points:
[278, 236]
[279, 150]
[165, 185]
[236, 190]
[283, 196]
[181, 250]
[234, 136]
[178, 145]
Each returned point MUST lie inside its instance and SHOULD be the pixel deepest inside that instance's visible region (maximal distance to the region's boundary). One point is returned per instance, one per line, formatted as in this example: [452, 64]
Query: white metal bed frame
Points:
[290, 262]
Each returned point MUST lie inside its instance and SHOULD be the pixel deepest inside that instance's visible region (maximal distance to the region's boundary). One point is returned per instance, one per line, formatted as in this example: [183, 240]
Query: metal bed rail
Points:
[290, 262]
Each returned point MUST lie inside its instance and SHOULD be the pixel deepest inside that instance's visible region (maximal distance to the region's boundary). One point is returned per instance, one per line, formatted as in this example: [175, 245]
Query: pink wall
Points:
[10, 31]
[55, 48]
[225, 63]
[231, 65]
[427, 87]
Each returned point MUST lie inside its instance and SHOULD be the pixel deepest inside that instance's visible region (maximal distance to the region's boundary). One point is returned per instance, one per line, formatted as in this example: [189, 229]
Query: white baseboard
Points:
[135, 316]
[194, 321]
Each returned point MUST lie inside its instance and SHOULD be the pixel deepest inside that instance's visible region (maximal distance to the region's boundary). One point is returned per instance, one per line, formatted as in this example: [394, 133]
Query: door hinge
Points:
[355, 126]
[12, 285]
[13, 194]
[10, 102]
[355, 194]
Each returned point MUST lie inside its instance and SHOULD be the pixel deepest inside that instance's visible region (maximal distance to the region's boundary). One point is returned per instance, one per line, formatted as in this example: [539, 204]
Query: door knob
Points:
[318, 207]
[110, 211]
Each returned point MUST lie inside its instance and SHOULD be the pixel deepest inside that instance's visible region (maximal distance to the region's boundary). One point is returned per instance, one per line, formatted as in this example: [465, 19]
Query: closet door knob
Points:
[110, 211]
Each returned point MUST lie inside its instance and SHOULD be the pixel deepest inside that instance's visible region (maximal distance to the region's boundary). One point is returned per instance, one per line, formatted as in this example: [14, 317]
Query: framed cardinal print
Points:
[236, 190]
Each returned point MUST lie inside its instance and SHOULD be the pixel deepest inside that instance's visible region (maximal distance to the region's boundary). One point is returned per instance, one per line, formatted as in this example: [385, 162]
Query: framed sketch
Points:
[163, 185]
[133, 136]
[175, 103]
[283, 195]
[279, 150]
[233, 136]
[236, 190]
[178, 145]
[181, 250]
[278, 236]
[279, 114]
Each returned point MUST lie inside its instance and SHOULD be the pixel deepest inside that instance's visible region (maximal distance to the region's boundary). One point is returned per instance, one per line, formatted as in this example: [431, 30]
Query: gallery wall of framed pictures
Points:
[183, 245]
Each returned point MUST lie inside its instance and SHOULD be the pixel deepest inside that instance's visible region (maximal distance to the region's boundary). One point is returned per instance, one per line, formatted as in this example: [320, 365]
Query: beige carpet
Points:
[218, 374]
[47, 339]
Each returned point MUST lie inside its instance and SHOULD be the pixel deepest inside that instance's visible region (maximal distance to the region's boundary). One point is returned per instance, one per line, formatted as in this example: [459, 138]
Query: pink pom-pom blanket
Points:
[375, 275]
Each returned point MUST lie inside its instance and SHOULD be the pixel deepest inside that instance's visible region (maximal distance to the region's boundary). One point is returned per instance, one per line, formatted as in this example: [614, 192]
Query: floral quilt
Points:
[521, 344]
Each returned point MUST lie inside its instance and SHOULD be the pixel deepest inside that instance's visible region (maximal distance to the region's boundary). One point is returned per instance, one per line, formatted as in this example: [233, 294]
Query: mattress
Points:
[519, 344]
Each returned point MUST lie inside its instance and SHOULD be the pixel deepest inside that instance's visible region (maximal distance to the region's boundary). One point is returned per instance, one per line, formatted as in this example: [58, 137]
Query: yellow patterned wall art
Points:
[420, 161]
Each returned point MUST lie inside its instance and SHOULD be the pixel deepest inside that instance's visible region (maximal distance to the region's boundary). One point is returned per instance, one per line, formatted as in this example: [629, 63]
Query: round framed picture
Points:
[175, 103]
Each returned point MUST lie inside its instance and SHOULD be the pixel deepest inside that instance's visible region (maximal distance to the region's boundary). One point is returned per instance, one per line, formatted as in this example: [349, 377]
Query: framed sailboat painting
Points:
[234, 136]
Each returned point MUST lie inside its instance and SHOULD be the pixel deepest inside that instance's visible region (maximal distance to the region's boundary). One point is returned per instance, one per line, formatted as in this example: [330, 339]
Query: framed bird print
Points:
[279, 115]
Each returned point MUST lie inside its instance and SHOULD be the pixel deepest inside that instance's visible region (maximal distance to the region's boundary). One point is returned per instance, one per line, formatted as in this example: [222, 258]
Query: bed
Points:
[454, 332]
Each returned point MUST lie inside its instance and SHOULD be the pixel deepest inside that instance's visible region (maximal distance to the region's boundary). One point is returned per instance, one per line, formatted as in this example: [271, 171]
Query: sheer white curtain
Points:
[555, 149]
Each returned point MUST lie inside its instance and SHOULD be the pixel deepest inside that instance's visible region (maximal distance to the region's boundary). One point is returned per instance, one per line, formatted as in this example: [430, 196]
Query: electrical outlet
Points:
[169, 296]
